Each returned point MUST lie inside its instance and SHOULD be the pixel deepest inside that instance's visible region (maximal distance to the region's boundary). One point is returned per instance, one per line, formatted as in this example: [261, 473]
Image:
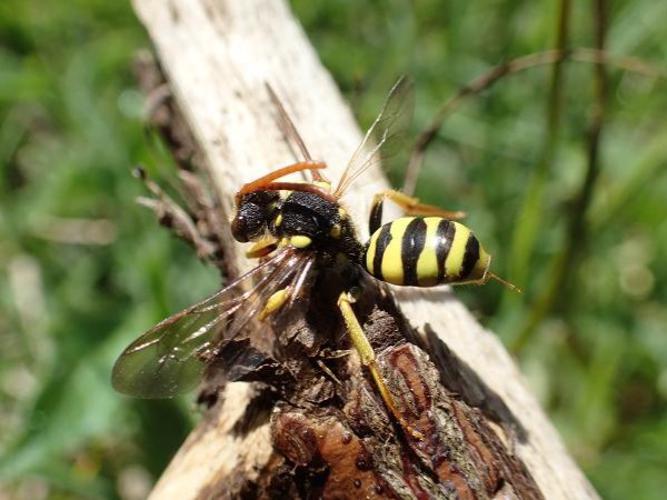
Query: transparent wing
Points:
[386, 136]
[288, 128]
[169, 358]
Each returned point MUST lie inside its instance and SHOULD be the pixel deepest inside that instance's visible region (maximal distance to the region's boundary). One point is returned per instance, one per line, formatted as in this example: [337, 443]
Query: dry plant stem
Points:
[556, 293]
[529, 219]
[511, 67]
[217, 57]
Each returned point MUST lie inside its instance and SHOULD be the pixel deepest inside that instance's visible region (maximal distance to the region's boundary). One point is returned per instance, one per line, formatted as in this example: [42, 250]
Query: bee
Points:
[299, 228]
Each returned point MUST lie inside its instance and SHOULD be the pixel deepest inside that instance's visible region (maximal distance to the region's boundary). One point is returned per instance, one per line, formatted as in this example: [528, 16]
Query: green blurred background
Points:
[595, 351]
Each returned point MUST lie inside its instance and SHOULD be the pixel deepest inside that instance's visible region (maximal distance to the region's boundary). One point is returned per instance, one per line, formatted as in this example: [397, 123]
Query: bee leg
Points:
[411, 205]
[488, 276]
[367, 356]
[493, 276]
[275, 302]
[262, 247]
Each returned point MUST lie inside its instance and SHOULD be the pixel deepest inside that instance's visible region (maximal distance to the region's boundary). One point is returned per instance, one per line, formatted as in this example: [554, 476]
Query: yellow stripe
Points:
[370, 253]
[392, 263]
[427, 264]
[454, 259]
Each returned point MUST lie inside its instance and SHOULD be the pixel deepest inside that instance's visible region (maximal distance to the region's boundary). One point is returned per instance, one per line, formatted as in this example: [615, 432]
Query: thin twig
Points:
[530, 214]
[170, 214]
[476, 86]
[577, 231]
[489, 78]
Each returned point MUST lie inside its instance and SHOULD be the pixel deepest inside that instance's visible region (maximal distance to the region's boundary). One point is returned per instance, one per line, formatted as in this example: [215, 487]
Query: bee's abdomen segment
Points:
[425, 251]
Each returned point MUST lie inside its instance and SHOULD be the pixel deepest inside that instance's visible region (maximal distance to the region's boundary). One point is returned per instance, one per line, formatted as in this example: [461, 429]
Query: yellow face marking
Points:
[300, 241]
[392, 263]
[335, 231]
[454, 260]
[275, 302]
[427, 264]
[342, 213]
[278, 220]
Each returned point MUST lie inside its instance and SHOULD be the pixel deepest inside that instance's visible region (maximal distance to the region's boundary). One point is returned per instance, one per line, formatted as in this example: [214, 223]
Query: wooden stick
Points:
[218, 56]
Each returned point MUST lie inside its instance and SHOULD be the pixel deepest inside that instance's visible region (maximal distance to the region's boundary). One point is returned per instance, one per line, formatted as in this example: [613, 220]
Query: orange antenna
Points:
[262, 182]
[506, 283]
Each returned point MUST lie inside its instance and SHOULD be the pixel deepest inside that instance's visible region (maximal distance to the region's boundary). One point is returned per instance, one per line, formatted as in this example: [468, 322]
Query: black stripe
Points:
[412, 244]
[375, 218]
[470, 257]
[445, 234]
[380, 246]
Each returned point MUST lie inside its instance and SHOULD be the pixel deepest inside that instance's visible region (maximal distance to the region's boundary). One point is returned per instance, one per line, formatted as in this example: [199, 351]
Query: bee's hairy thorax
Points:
[307, 220]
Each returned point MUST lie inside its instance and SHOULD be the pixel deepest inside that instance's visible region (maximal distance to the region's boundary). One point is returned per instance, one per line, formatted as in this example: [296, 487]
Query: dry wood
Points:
[217, 55]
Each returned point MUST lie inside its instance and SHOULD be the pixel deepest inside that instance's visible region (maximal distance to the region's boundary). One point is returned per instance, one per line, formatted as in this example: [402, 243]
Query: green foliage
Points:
[70, 130]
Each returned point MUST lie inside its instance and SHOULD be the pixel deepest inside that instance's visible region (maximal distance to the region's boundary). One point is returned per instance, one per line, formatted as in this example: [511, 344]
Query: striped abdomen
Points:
[425, 251]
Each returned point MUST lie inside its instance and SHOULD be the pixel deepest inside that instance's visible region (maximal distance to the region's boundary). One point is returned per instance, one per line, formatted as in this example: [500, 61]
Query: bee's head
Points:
[253, 213]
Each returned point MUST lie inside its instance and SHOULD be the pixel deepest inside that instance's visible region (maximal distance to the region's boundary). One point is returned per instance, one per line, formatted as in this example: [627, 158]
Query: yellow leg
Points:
[367, 356]
[410, 205]
[504, 282]
[275, 302]
[262, 247]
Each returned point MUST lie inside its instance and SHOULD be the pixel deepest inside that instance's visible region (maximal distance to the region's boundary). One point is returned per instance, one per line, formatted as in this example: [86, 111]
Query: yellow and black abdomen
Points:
[425, 251]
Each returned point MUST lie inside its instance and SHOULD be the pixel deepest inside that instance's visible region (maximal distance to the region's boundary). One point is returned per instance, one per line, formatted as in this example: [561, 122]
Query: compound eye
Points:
[239, 229]
[249, 222]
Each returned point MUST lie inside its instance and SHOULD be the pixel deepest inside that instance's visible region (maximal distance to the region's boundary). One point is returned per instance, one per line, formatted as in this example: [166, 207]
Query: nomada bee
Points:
[299, 228]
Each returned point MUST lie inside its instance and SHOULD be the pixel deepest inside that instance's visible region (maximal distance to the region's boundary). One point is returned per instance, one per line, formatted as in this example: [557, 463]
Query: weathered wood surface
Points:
[217, 56]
